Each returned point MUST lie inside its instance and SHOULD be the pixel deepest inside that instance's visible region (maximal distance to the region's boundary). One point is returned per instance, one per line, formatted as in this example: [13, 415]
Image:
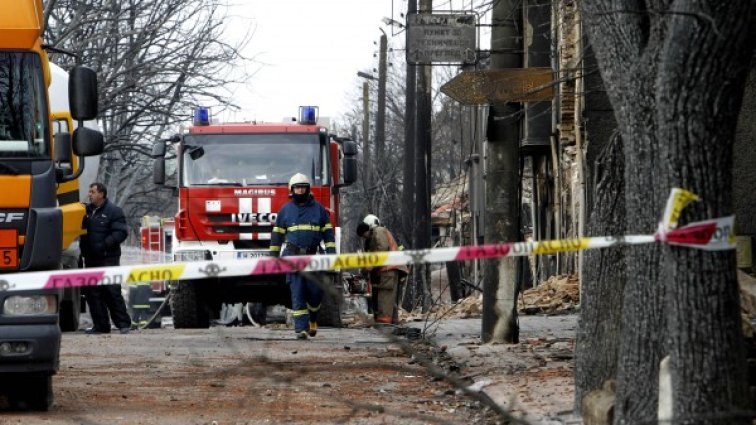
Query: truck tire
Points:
[330, 308]
[70, 304]
[256, 313]
[34, 393]
[188, 311]
[70, 311]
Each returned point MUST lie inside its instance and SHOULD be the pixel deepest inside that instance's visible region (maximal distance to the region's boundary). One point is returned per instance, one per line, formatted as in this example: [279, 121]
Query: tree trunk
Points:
[456, 288]
[642, 318]
[602, 272]
[602, 280]
[674, 71]
[701, 82]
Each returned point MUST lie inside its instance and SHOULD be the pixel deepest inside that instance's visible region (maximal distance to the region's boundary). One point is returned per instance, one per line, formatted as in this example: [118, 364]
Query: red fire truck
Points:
[232, 180]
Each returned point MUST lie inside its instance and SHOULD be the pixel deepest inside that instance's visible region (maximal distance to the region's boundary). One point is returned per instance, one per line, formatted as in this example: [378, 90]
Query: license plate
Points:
[8, 238]
[250, 254]
[8, 258]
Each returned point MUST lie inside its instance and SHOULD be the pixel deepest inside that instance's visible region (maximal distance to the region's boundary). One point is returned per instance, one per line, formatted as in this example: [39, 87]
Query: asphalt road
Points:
[245, 375]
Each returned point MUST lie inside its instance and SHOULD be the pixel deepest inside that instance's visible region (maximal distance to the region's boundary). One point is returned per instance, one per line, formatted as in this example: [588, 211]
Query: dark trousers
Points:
[306, 297]
[104, 299]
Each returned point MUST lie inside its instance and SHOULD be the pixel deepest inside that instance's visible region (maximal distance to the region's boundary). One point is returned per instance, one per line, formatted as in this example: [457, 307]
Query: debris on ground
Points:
[747, 286]
[533, 380]
[465, 308]
[557, 295]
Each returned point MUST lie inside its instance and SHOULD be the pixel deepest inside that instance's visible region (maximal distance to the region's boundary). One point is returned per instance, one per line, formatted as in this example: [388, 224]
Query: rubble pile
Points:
[558, 294]
[747, 286]
[465, 308]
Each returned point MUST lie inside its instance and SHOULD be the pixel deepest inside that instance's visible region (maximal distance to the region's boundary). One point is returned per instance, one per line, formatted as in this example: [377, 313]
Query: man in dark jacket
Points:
[303, 223]
[101, 247]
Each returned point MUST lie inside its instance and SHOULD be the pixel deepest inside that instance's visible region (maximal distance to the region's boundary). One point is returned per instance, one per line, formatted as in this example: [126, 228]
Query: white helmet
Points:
[371, 221]
[298, 178]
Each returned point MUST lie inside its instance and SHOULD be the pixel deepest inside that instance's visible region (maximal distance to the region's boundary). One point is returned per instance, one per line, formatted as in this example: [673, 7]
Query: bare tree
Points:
[674, 71]
[155, 59]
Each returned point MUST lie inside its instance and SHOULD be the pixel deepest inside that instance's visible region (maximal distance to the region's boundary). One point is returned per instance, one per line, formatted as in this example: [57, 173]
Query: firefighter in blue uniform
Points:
[303, 223]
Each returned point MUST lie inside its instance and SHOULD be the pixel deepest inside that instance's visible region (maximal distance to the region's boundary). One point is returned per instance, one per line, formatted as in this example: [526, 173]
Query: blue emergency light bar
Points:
[308, 114]
[201, 116]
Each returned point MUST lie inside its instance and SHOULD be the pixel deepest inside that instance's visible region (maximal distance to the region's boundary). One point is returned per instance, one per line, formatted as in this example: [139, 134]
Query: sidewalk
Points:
[532, 379]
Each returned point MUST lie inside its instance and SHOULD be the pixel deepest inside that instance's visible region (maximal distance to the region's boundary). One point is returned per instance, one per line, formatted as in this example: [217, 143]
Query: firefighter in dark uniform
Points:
[303, 223]
[101, 247]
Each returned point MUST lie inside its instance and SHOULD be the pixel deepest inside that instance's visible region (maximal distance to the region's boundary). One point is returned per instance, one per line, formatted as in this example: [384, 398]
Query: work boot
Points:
[313, 329]
[93, 331]
[302, 335]
[124, 331]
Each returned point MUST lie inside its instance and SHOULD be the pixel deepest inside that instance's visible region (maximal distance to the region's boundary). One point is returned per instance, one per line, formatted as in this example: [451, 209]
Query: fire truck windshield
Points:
[252, 159]
[23, 111]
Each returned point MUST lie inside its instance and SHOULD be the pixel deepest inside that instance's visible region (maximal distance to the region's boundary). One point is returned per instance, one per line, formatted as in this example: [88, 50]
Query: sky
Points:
[307, 52]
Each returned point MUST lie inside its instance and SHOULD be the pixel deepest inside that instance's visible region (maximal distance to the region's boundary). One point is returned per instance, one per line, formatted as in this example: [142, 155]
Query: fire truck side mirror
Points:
[350, 170]
[158, 166]
[158, 149]
[349, 162]
[350, 148]
[158, 171]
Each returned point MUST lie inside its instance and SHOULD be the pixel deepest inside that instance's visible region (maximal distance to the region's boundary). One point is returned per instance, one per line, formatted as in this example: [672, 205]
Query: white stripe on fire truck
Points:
[245, 207]
[263, 206]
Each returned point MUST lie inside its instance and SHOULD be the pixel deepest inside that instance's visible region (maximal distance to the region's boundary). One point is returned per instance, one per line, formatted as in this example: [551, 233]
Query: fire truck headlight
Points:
[19, 305]
[185, 256]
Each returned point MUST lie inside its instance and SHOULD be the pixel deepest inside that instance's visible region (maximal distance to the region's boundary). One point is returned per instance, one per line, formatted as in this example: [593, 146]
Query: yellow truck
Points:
[41, 158]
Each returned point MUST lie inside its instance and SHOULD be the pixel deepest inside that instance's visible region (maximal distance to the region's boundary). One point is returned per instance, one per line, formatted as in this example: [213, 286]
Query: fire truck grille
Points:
[253, 244]
[234, 230]
[219, 219]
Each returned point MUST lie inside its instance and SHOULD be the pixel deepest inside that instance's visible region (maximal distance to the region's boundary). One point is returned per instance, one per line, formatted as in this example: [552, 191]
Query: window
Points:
[23, 109]
[252, 159]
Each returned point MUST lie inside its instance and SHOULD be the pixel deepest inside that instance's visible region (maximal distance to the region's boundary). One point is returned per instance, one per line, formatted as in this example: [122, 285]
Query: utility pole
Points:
[365, 133]
[380, 118]
[502, 184]
[537, 126]
[408, 193]
[423, 166]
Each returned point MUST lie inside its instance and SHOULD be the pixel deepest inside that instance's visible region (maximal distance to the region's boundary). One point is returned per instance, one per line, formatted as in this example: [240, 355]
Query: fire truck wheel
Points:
[188, 309]
[257, 313]
[33, 393]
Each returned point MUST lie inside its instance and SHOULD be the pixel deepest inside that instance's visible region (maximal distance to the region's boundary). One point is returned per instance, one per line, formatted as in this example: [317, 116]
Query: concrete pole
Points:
[537, 124]
[423, 166]
[408, 192]
[499, 322]
[380, 118]
[365, 133]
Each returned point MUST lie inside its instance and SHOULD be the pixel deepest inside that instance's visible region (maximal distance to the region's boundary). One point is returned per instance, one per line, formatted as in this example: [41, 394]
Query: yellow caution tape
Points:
[712, 235]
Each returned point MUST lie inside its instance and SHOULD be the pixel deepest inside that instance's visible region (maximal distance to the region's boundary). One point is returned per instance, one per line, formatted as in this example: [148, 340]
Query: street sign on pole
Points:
[441, 38]
[501, 85]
